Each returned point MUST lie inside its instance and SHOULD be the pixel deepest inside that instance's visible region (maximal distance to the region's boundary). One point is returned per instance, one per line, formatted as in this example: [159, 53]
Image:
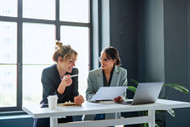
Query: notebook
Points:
[146, 93]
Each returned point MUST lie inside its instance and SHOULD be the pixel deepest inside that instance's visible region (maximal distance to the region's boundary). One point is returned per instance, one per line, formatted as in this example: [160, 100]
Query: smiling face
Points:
[67, 65]
[106, 63]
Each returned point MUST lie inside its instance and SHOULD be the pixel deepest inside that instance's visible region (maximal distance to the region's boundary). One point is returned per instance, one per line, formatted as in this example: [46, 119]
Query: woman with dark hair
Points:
[57, 80]
[109, 74]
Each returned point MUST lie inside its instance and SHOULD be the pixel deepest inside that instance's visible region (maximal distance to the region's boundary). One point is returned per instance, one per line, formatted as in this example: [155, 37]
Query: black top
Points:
[51, 80]
[105, 80]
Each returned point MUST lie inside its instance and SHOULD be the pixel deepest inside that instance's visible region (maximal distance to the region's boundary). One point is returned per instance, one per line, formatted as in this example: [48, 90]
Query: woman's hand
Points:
[118, 99]
[78, 100]
[66, 81]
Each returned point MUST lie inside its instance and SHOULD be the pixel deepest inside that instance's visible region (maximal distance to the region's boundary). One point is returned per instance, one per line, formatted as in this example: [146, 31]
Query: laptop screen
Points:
[147, 92]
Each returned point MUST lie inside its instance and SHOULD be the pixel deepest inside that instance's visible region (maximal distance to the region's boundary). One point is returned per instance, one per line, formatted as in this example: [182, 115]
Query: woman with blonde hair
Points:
[57, 80]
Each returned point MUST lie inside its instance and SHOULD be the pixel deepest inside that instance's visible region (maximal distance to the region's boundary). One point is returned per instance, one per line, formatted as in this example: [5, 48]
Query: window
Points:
[8, 58]
[7, 9]
[29, 29]
[77, 36]
[39, 9]
[77, 10]
[37, 52]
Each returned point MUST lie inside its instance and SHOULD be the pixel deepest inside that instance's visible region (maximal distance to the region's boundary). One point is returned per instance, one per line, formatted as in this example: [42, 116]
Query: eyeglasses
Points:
[105, 59]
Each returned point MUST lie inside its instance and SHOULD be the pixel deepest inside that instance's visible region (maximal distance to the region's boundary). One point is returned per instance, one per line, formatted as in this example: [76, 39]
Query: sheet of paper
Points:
[108, 93]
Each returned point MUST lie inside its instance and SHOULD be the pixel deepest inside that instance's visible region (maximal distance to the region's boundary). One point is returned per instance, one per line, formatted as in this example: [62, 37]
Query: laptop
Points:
[146, 93]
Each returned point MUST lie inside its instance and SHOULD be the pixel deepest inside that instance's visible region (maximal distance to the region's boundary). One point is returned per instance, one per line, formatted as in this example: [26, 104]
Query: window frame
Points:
[20, 21]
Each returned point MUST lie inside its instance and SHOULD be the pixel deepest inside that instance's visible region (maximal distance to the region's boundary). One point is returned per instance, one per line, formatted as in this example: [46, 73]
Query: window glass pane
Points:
[40, 9]
[74, 10]
[8, 42]
[32, 86]
[78, 38]
[38, 43]
[38, 48]
[8, 85]
[8, 8]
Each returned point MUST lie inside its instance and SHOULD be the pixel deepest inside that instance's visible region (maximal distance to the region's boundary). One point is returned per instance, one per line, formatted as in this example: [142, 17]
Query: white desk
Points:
[106, 107]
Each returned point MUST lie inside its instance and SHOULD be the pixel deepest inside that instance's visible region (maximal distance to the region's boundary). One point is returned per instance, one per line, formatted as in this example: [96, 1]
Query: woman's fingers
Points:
[118, 99]
[78, 100]
[67, 80]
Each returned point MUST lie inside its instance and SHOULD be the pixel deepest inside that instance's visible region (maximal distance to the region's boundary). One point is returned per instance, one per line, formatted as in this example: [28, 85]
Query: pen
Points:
[74, 75]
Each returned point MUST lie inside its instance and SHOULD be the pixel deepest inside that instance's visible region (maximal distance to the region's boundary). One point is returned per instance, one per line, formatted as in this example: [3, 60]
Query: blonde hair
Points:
[63, 51]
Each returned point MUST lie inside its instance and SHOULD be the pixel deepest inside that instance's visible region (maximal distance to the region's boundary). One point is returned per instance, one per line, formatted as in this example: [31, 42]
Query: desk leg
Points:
[151, 114]
[53, 122]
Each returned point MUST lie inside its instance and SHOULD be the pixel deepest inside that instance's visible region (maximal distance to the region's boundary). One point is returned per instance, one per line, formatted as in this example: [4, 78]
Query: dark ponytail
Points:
[112, 53]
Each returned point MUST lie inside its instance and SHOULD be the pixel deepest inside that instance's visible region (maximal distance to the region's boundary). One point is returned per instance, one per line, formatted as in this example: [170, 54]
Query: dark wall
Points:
[176, 43]
[154, 41]
[153, 38]
[123, 33]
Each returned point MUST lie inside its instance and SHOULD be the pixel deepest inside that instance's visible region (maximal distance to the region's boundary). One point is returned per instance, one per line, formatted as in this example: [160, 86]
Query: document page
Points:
[108, 93]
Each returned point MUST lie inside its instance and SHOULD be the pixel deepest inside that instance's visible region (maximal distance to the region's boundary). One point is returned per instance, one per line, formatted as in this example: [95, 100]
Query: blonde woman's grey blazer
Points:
[95, 81]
